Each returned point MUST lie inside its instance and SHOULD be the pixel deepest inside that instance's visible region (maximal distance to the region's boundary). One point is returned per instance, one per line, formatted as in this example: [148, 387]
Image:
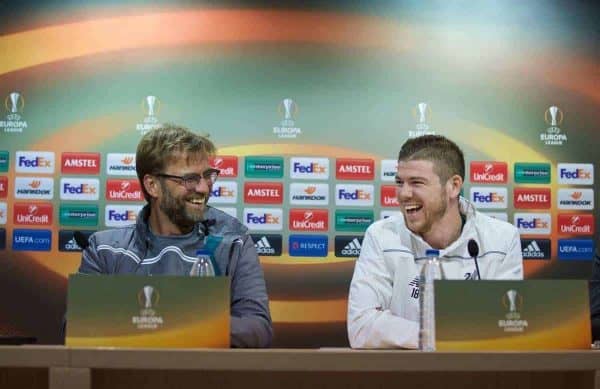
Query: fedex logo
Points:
[354, 169]
[309, 194]
[227, 164]
[34, 162]
[489, 172]
[354, 195]
[269, 219]
[120, 164]
[224, 192]
[124, 190]
[121, 215]
[80, 163]
[309, 220]
[309, 168]
[489, 197]
[34, 188]
[79, 189]
[532, 198]
[533, 223]
[575, 173]
[3, 187]
[388, 196]
[263, 192]
[33, 214]
[389, 168]
[576, 224]
[3, 213]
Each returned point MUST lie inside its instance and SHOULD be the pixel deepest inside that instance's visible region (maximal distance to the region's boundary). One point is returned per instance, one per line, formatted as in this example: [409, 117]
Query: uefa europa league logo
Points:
[422, 114]
[151, 105]
[512, 300]
[289, 109]
[148, 291]
[554, 117]
[422, 107]
[148, 297]
[14, 102]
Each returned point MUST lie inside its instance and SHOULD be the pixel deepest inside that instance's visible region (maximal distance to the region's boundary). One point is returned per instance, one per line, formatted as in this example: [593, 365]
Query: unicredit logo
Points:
[263, 192]
[532, 198]
[80, 163]
[227, 164]
[354, 169]
[388, 196]
[3, 187]
[576, 224]
[123, 190]
[489, 172]
[33, 214]
[309, 220]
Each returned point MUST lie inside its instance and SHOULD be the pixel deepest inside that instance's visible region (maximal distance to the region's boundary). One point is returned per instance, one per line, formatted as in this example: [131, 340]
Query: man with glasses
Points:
[172, 165]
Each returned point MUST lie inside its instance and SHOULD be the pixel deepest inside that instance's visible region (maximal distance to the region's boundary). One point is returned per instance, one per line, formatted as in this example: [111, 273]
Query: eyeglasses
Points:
[191, 181]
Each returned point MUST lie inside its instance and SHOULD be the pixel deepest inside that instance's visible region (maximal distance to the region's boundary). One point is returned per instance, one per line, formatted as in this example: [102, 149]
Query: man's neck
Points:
[446, 231]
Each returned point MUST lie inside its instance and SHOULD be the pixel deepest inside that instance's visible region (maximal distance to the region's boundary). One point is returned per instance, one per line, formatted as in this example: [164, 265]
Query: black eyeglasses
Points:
[191, 181]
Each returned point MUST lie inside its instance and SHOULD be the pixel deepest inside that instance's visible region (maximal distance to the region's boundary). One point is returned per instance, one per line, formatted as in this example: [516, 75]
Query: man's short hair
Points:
[447, 157]
[161, 146]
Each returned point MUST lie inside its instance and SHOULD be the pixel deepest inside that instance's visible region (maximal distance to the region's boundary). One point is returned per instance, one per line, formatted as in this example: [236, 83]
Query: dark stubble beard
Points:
[176, 210]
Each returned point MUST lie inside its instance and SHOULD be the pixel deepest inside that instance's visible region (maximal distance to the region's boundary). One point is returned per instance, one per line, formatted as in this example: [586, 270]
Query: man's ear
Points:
[152, 185]
[454, 186]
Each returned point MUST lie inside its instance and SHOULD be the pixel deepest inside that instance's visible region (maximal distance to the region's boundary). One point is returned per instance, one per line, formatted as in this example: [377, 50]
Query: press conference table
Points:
[64, 367]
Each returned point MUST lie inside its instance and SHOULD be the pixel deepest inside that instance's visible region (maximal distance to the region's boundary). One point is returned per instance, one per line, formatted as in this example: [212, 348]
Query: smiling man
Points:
[176, 179]
[383, 305]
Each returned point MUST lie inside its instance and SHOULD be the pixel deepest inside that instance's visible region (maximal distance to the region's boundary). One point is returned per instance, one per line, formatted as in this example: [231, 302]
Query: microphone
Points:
[473, 248]
[80, 239]
[205, 225]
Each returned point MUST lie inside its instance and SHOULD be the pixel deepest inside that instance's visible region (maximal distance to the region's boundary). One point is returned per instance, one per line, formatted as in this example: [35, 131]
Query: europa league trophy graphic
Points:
[288, 107]
[148, 291]
[553, 114]
[14, 102]
[512, 300]
[422, 113]
[151, 102]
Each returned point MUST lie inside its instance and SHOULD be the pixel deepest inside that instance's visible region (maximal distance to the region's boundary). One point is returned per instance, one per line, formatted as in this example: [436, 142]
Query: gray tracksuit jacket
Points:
[135, 250]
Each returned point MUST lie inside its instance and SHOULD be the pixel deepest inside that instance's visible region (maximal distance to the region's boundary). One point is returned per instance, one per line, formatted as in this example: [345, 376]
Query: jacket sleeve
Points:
[595, 294]
[90, 261]
[371, 324]
[511, 268]
[250, 317]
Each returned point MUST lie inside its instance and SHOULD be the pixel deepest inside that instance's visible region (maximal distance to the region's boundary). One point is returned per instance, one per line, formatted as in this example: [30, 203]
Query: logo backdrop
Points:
[309, 108]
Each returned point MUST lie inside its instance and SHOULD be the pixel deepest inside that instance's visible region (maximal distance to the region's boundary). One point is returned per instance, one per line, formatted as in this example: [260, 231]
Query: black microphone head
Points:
[473, 248]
